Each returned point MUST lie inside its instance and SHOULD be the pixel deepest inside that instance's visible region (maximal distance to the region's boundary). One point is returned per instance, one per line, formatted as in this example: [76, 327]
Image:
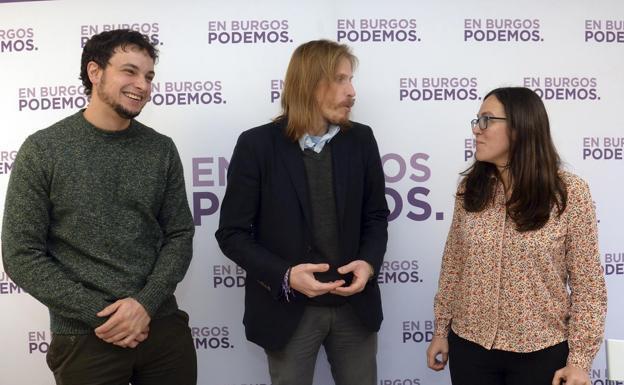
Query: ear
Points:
[95, 72]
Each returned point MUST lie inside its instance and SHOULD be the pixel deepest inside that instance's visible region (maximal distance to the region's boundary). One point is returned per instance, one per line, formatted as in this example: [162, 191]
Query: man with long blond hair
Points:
[305, 215]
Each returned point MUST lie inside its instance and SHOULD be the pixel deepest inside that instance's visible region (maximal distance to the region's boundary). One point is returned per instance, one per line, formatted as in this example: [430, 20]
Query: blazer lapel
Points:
[290, 152]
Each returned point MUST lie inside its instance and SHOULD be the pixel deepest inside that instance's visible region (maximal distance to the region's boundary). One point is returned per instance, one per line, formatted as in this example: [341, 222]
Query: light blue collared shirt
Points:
[316, 143]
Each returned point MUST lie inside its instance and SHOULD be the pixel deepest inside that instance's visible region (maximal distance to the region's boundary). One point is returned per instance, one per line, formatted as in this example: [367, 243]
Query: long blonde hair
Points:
[311, 63]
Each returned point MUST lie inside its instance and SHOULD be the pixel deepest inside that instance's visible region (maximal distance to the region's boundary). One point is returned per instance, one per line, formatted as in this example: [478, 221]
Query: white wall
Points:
[423, 141]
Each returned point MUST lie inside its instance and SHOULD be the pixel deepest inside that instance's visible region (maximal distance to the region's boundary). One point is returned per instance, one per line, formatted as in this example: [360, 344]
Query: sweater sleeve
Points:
[24, 242]
[586, 280]
[176, 223]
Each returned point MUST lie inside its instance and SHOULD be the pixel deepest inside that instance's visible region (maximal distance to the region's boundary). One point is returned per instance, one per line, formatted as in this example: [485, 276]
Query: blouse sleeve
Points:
[585, 278]
[449, 273]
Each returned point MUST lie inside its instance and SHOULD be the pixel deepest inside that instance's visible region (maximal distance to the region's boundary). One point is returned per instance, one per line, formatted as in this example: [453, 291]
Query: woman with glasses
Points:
[521, 297]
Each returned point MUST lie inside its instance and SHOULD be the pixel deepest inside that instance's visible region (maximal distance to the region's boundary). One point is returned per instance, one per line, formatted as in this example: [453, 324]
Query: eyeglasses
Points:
[482, 122]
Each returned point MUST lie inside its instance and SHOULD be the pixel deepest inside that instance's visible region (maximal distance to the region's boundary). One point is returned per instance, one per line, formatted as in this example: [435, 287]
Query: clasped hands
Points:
[128, 322]
[302, 279]
[127, 325]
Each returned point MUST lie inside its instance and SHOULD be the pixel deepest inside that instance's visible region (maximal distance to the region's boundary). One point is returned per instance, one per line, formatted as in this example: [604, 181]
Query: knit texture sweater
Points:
[92, 217]
[326, 248]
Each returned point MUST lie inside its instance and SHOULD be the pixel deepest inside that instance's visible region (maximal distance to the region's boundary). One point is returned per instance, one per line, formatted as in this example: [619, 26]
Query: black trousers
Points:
[472, 364]
[166, 357]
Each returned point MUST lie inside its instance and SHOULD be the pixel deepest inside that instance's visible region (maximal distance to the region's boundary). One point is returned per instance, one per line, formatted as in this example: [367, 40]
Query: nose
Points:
[351, 90]
[476, 130]
[142, 83]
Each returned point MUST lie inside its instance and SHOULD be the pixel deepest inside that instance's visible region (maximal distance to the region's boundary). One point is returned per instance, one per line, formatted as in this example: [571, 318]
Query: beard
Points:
[343, 120]
[123, 112]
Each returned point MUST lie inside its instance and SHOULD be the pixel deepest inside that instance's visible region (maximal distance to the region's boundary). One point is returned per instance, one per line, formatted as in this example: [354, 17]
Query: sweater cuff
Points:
[90, 310]
[151, 297]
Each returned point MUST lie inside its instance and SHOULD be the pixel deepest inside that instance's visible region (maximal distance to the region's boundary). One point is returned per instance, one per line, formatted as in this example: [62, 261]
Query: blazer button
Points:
[309, 248]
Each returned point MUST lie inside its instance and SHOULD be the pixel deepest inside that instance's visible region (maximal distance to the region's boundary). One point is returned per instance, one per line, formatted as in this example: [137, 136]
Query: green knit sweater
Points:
[92, 217]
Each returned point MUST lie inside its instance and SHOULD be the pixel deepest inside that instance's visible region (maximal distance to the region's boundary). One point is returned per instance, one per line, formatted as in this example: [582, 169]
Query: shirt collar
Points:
[316, 143]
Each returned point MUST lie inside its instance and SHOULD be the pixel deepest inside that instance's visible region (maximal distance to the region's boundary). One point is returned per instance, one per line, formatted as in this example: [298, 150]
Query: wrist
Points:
[287, 291]
[371, 271]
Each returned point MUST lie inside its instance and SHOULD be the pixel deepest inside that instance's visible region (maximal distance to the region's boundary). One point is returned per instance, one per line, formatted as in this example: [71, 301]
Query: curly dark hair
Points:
[101, 47]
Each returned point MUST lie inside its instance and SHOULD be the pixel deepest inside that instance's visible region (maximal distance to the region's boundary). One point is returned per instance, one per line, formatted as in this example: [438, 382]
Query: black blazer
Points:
[265, 223]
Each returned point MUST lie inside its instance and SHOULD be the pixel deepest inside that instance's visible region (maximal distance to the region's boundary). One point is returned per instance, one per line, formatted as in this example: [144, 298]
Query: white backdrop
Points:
[423, 69]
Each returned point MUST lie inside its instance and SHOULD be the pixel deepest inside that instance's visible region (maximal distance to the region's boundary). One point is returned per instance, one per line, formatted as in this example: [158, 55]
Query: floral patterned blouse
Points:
[508, 290]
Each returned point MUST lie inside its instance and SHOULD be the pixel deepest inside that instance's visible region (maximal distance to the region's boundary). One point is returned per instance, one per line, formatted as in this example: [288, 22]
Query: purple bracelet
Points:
[287, 291]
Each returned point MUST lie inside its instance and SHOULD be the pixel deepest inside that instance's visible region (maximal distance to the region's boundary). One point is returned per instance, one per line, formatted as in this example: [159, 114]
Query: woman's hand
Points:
[437, 346]
[571, 375]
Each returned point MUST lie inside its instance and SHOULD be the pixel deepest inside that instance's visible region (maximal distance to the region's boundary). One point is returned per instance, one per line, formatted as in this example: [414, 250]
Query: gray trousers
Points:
[351, 349]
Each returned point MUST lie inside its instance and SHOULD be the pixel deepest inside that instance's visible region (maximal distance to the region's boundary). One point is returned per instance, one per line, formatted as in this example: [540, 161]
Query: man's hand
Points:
[128, 324]
[437, 346]
[302, 279]
[571, 375]
[362, 271]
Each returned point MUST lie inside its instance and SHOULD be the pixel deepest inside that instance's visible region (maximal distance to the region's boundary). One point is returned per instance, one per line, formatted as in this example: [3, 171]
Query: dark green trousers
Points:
[166, 357]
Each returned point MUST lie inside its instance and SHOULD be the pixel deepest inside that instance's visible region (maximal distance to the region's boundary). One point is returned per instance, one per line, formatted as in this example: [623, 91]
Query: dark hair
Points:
[533, 164]
[101, 47]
